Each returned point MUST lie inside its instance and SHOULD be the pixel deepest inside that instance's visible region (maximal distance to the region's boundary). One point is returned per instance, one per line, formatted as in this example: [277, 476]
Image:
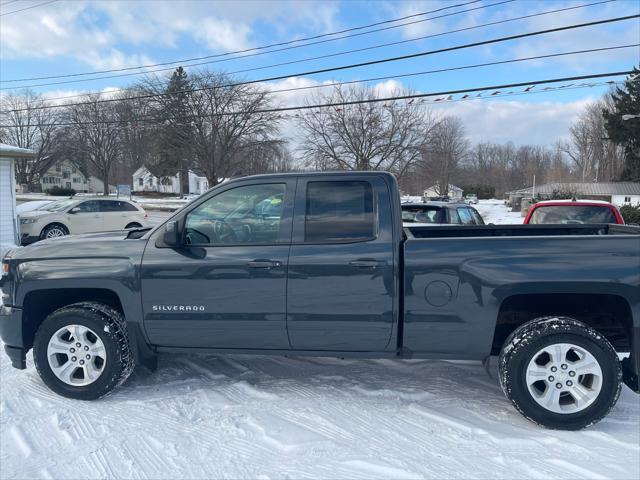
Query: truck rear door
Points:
[341, 284]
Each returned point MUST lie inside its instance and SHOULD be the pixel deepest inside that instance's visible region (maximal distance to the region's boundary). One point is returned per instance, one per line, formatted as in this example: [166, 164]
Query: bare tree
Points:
[95, 135]
[29, 126]
[364, 136]
[226, 120]
[594, 156]
[447, 146]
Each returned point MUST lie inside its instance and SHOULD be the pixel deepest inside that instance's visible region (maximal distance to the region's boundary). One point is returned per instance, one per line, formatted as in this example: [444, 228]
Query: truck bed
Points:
[460, 231]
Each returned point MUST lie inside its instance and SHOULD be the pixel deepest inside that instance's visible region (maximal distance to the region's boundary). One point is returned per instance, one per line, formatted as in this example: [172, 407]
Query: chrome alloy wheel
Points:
[76, 355]
[55, 232]
[564, 378]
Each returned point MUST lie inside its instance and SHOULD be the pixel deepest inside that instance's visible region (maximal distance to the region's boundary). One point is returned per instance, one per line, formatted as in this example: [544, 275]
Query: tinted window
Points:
[87, 207]
[454, 218]
[116, 206]
[572, 214]
[339, 211]
[242, 215]
[476, 216]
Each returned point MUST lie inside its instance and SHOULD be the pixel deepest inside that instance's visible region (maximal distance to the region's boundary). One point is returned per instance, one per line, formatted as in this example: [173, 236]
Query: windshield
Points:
[572, 214]
[58, 206]
[420, 214]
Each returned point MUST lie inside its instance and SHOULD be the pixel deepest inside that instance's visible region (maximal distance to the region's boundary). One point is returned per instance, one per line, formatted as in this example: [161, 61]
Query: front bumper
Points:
[11, 334]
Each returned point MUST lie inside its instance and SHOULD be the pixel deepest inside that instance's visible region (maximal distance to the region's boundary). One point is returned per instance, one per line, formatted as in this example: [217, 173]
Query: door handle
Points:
[366, 263]
[266, 264]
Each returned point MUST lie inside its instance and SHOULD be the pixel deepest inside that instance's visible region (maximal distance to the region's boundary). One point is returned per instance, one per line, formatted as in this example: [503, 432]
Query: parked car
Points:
[73, 216]
[334, 273]
[440, 213]
[573, 212]
[471, 199]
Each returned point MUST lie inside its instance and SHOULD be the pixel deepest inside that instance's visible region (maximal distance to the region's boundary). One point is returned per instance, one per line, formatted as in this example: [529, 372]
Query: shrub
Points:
[61, 191]
[631, 213]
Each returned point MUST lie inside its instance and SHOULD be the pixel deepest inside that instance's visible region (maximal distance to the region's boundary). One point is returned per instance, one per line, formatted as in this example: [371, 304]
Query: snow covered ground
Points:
[238, 417]
[495, 211]
[271, 417]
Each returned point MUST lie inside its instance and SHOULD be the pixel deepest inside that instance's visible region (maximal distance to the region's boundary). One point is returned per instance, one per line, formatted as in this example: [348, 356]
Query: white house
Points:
[67, 175]
[455, 193]
[151, 180]
[8, 218]
[618, 193]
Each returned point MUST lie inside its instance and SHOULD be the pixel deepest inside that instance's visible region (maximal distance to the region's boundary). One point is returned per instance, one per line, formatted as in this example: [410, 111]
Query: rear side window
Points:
[476, 216]
[339, 212]
[116, 206]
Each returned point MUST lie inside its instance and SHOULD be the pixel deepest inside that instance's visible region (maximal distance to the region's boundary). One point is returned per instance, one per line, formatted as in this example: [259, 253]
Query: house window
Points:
[141, 181]
[58, 168]
[76, 180]
[627, 199]
[66, 175]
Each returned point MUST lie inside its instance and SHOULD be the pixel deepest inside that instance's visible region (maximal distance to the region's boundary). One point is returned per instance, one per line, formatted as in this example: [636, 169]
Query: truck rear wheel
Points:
[560, 373]
[82, 351]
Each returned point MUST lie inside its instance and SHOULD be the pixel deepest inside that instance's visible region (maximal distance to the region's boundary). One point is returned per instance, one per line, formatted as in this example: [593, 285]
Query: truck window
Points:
[242, 215]
[567, 214]
[339, 211]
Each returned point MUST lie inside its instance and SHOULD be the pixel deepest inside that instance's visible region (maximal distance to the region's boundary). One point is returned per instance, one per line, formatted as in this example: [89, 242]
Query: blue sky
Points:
[71, 36]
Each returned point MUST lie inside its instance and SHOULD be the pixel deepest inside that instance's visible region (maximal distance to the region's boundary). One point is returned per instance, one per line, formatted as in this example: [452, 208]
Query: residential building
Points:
[65, 174]
[8, 218]
[618, 193]
[150, 179]
[454, 193]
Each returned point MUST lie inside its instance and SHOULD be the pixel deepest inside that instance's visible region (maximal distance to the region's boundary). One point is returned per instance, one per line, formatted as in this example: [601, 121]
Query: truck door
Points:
[341, 283]
[226, 287]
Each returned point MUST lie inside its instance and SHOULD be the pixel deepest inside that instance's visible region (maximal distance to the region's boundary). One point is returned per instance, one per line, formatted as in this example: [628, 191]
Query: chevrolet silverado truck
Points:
[320, 264]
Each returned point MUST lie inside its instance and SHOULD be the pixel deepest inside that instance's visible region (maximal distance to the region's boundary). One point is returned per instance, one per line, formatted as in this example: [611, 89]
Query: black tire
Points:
[133, 225]
[46, 230]
[109, 325]
[530, 338]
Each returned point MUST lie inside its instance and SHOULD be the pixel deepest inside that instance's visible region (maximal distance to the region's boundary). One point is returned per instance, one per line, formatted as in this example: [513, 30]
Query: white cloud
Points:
[221, 34]
[520, 122]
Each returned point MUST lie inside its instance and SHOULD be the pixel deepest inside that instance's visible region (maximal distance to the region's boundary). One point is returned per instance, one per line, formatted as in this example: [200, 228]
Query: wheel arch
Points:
[608, 313]
[55, 222]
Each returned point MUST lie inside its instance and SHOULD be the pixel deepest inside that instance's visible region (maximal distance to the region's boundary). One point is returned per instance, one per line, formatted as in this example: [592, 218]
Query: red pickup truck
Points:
[572, 212]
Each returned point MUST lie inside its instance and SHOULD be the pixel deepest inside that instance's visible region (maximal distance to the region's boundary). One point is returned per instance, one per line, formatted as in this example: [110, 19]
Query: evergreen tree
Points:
[175, 142]
[626, 132]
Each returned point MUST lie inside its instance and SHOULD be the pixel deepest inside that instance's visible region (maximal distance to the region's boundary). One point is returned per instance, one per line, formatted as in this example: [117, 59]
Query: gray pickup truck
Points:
[319, 264]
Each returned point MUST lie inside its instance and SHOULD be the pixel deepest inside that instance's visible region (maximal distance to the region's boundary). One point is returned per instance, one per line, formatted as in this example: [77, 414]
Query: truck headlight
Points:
[25, 221]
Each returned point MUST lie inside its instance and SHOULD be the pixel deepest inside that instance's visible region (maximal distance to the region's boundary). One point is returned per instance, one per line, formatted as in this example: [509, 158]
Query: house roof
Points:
[9, 151]
[599, 188]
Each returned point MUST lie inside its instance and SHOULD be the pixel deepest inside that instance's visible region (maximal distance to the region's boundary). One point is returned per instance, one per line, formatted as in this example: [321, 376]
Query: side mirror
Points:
[74, 210]
[172, 236]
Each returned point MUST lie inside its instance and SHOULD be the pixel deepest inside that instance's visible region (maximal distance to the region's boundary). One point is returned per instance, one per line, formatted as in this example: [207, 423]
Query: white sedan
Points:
[74, 216]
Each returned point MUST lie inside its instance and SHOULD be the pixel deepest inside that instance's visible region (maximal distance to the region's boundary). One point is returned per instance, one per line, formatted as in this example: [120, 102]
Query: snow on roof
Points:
[451, 187]
[9, 151]
[597, 188]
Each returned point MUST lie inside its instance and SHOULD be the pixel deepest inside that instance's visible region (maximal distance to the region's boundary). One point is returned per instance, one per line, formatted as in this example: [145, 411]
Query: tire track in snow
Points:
[577, 470]
[21, 441]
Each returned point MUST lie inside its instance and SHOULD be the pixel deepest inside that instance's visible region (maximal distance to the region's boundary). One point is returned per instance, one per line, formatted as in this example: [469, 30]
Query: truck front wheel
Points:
[560, 373]
[82, 351]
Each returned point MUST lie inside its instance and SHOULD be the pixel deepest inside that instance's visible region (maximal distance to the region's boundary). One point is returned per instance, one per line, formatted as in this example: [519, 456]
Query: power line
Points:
[337, 53]
[289, 42]
[529, 84]
[106, 77]
[414, 74]
[358, 65]
[26, 8]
